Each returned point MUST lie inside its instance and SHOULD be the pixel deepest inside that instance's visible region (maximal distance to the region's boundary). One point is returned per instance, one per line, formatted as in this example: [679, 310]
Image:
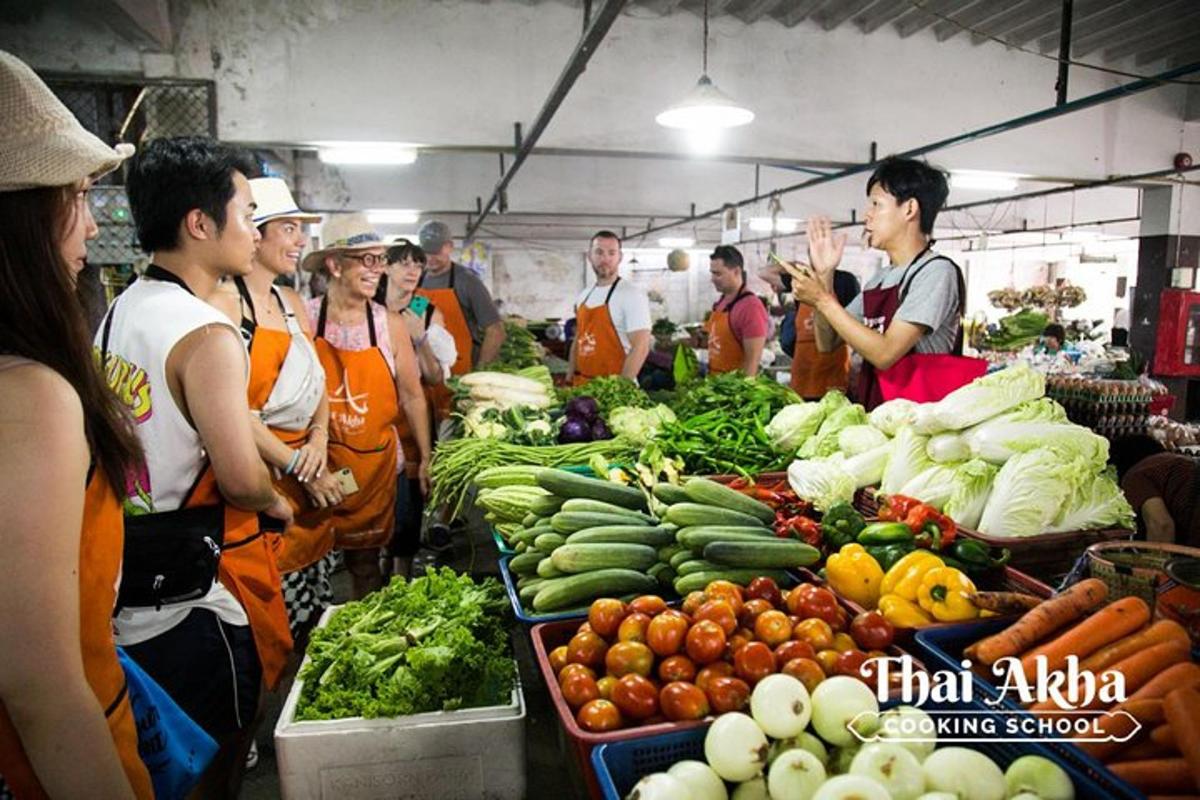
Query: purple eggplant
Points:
[600, 431]
[574, 430]
[584, 407]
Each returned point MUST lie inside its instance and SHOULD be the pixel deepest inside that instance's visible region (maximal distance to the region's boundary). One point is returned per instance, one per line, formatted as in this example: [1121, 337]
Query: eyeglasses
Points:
[368, 260]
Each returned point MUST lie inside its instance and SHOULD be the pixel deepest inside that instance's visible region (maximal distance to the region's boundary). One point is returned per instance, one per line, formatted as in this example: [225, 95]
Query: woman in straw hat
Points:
[66, 726]
[371, 377]
[287, 395]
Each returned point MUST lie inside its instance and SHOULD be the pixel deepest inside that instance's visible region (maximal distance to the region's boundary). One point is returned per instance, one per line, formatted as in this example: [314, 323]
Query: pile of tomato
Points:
[643, 662]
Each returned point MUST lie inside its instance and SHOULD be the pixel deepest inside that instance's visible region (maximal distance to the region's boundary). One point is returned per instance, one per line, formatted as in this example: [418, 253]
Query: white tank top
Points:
[143, 325]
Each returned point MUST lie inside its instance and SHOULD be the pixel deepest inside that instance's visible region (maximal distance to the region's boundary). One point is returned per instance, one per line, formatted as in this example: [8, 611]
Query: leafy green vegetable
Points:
[908, 459]
[972, 488]
[520, 350]
[609, 392]
[639, 425]
[981, 399]
[438, 642]
[822, 482]
[889, 417]
[794, 424]
[825, 441]
[1028, 493]
[1095, 501]
[998, 441]
[855, 440]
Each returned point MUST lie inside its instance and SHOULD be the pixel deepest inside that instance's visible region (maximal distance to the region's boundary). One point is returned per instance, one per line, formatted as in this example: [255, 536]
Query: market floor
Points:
[550, 768]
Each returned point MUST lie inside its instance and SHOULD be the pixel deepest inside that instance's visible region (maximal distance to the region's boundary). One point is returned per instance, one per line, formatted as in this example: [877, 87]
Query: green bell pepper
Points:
[840, 525]
[888, 554]
[886, 533]
[978, 557]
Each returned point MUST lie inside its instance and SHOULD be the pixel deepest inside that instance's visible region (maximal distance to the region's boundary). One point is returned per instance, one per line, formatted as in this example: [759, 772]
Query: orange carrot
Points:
[1119, 727]
[1138, 670]
[1052, 615]
[1161, 631]
[1111, 623]
[1180, 676]
[1144, 748]
[1164, 735]
[1155, 774]
[1147, 712]
[1182, 708]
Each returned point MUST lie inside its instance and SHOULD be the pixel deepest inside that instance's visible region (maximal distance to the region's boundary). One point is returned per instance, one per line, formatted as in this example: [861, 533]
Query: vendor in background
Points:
[1053, 339]
[915, 304]
[470, 315]
[612, 335]
[813, 372]
[739, 323]
[1162, 487]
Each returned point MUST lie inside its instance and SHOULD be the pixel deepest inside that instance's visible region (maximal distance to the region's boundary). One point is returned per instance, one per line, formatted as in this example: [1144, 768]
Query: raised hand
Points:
[825, 248]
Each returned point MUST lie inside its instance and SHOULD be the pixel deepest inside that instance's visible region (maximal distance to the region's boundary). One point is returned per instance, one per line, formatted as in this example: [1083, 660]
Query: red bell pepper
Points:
[926, 521]
[895, 507]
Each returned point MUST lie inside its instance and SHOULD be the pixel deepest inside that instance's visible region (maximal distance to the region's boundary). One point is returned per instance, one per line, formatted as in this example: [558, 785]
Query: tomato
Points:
[598, 716]
[575, 669]
[727, 694]
[586, 648]
[682, 701]
[558, 658]
[827, 659]
[705, 642]
[720, 612]
[843, 620]
[792, 618]
[805, 670]
[728, 591]
[740, 637]
[795, 598]
[677, 668]
[605, 686]
[843, 642]
[719, 669]
[816, 632]
[578, 689]
[692, 602]
[605, 616]
[648, 604]
[666, 632]
[751, 611]
[764, 588]
[633, 628]
[624, 658]
[849, 662]
[584, 627]
[872, 631]
[754, 662]
[869, 671]
[792, 649]
[773, 627]
[820, 603]
[635, 697]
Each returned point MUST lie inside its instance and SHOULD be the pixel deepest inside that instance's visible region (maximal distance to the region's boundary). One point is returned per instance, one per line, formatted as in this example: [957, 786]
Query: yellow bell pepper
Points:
[946, 594]
[902, 613]
[904, 578]
[854, 574]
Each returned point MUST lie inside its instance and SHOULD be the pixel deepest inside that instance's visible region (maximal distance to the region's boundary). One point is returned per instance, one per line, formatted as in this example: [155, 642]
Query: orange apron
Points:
[598, 348]
[310, 536]
[100, 548]
[363, 412]
[813, 372]
[725, 353]
[456, 323]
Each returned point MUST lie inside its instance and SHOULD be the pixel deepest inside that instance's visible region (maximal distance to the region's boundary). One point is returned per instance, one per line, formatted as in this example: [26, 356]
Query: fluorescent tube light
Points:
[981, 179]
[392, 216]
[781, 225]
[676, 241]
[380, 153]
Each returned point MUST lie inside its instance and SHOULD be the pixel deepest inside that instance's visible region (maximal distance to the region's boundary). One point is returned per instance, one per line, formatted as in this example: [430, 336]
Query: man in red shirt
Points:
[739, 324]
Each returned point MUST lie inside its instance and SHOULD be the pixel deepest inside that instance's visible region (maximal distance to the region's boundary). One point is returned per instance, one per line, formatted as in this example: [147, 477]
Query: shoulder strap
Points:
[741, 296]
[248, 324]
[429, 309]
[321, 317]
[108, 318]
[371, 325]
[906, 282]
[610, 291]
[157, 273]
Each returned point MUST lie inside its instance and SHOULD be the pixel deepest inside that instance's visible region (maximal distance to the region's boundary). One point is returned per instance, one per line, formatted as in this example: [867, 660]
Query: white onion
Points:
[754, 789]
[659, 786]
[835, 703]
[900, 722]
[735, 747]
[795, 775]
[851, 787]
[940, 796]
[702, 782]
[781, 706]
[892, 767]
[805, 741]
[1040, 776]
[967, 773]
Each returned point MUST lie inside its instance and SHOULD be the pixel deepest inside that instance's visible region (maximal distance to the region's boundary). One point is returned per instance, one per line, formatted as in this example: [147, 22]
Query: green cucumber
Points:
[711, 493]
[546, 569]
[530, 590]
[663, 574]
[670, 493]
[509, 475]
[697, 536]
[630, 534]
[682, 556]
[531, 520]
[520, 547]
[567, 485]
[570, 521]
[778, 554]
[697, 565]
[549, 542]
[687, 514]
[526, 563]
[578, 589]
[587, 505]
[546, 506]
[698, 580]
[668, 551]
[574, 558]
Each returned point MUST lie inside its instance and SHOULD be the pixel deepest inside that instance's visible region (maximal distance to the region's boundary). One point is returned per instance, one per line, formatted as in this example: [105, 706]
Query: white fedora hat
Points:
[273, 201]
[41, 142]
[343, 232]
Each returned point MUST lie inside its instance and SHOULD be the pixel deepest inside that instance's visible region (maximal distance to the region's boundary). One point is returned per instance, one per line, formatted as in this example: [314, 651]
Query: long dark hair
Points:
[42, 319]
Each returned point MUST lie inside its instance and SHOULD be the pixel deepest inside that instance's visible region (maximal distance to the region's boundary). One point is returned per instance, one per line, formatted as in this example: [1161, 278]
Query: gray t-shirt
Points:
[473, 296]
[931, 301]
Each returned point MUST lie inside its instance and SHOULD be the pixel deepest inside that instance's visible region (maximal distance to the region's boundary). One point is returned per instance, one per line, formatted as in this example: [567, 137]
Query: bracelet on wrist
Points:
[291, 467]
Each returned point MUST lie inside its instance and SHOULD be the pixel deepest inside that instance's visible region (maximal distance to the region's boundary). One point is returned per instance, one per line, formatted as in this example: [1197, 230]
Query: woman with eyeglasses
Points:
[371, 378]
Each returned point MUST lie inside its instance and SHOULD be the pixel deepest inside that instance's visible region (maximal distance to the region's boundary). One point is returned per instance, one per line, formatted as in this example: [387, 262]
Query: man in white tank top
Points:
[181, 367]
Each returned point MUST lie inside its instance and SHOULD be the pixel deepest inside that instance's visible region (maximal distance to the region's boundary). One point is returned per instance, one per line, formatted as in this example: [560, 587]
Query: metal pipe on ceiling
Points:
[1064, 53]
[1088, 101]
[596, 30]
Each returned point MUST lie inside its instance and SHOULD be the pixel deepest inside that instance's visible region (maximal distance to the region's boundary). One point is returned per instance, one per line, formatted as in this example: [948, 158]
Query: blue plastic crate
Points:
[528, 617]
[942, 649]
[620, 765]
[502, 545]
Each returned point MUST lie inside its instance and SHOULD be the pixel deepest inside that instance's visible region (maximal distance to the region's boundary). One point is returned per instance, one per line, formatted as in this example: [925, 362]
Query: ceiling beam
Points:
[1016, 18]
[834, 15]
[1048, 25]
[1089, 22]
[1156, 40]
[926, 15]
[799, 12]
[970, 16]
[881, 14]
[660, 6]
[1130, 28]
[755, 10]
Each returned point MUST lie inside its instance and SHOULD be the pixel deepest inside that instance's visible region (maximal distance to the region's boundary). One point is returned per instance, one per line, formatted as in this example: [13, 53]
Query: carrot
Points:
[1118, 727]
[1180, 676]
[1104, 627]
[1138, 669]
[1182, 708]
[1155, 774]
[1005, 602]
[1161, 631]
[1050, 616]
[1164, 735]
[1144, 748]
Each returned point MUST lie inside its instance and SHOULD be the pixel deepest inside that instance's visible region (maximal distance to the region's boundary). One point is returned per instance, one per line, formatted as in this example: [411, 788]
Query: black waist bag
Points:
[171, 557]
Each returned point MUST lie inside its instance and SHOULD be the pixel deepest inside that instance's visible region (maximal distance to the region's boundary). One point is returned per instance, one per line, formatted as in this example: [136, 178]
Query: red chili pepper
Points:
[895, 507]
[927, 521]
[739, 483]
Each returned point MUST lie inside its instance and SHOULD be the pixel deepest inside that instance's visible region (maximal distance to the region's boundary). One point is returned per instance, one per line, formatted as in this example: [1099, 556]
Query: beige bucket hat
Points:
[343, 232]
[41, 142]
[273, 200]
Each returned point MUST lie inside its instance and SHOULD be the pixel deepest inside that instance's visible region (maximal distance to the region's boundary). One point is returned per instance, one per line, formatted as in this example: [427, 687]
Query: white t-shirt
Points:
[629, 307]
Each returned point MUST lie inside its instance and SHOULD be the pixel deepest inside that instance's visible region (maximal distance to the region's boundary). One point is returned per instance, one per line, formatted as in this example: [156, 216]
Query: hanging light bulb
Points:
[705, 108]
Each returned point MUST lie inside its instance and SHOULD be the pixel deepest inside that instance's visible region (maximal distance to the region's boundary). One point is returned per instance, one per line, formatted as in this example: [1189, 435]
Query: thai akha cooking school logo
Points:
[1071, 696]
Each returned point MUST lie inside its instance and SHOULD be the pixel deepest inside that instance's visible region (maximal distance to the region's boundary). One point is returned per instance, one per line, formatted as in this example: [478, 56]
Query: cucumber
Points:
[668, 551]
[670, 493]
[528, 535]
[697, 536]
[526, 563]
[567, 485]
[510, 475]
[711, 493]
[546, 506]
[681, 557]
[530, 520]
[529, 580]
[549, 542]
[530, 590]
[546, 568]
[698, 580]
[686, 514]
[571, 521]
[779, 554]
[520, 547]
[663, 574]
[630, 534]
[578, 589]
[586, 505]
[697, 565]
[609, 555]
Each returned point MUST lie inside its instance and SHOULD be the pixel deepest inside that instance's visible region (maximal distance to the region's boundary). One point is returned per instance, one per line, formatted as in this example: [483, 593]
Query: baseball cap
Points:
[433, 234]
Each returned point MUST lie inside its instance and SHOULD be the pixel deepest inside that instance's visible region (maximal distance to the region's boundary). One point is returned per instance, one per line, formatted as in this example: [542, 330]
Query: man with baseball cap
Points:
[471, 315]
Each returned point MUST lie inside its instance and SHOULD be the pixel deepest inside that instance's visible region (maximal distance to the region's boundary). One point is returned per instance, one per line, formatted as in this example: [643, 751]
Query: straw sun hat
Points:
[343, 232]
[41, 142]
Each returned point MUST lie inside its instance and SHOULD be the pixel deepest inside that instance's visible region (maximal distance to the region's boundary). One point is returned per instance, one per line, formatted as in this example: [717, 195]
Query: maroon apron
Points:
[921, 377]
